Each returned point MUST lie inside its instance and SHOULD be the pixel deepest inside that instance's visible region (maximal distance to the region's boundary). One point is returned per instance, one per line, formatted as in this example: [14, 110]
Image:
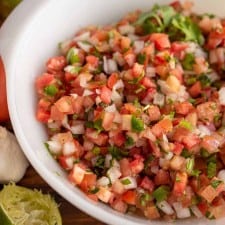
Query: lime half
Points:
[22, 206]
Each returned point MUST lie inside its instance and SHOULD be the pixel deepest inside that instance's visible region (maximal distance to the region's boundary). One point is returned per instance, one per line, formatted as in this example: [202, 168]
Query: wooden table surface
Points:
[70, 214]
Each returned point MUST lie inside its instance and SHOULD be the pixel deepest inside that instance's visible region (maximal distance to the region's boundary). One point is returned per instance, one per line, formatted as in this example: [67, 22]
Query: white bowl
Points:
[29, 36]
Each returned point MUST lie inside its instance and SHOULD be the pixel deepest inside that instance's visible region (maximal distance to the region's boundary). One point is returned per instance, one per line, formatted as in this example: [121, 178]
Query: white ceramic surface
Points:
[27, 39]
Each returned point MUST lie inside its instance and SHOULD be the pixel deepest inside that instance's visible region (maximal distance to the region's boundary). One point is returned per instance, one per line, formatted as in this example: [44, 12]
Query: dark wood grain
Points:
[70, 214]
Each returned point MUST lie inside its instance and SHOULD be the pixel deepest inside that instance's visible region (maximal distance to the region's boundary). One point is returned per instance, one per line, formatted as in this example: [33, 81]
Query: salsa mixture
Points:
[135, 112]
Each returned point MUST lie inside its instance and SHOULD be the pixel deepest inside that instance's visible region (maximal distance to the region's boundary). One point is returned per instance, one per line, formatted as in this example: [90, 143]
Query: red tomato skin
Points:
[4, 113]
[105, 95]
[147, 184]
[161, 40]
[130, 197]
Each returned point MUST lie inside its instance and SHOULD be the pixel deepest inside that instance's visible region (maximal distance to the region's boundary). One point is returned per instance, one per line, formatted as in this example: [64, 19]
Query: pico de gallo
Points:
[135, 112]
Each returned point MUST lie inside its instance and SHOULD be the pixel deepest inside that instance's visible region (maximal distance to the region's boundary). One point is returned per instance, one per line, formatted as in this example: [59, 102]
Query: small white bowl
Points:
[28, 37]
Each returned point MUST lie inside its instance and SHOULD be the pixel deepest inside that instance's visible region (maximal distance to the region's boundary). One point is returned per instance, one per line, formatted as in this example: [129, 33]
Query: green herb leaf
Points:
[137, 124]
[183, 28]
[204, 80]
[190, 165]
[204, 153]
[216, 183]
[186, 124]
[185, 153]
[195, 173]
[94, 190]
[129, 141]
[100, 162]
[141, 58]
[145, 198]
[161, 193]
[211, 169]
[188, 61]
[98, 125]
[96, 150]
[125, 181]
[117, 153]
[51, 90]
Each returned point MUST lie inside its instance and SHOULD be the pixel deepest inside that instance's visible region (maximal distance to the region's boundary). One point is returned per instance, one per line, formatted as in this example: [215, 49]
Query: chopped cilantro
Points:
[72, 56]
[125, 181]
[96, 150]
[117, 153]
[188, 61]
[216, 183]
[94, 190]
[204, 80]
[192, 100]
[161, 193]
[145, 198]
[211, 169]
[51, 90]
[190, 165]
[137, 124]
[97, 124]
[204, 153]
[100, 162]
[129, 141]
[185, 153]
[186, 124]
[141, 58]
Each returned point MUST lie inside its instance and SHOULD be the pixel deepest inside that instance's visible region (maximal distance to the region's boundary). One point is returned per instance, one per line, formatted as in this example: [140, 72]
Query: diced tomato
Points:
[119, 205]
[118, 138]
[106, 95]
[130, 197]
[195, 89]
[161, 40]
[125, 167]
[125, 43]
[137, 70]
[88, 182]
[180, 183]
[92, 60]
[151, 212]
[108, 120]
[43, 115]
[94, 136]
[207, 111]
[162, 71]
[130, 58]
[154, 113]
[147, 184]
[210, 143]
[183, 108]
[162, 177]
[65, 104]
[203, 207]
[178, 147]
[154, 148]
[56, 64]
[147, 82]
[76, 175]
[44, 104]
[44, 80]
[177, 47]
[162, 127]
[66, 162]
[137, 165]
[56, 114]
[77, 104]
[113, 78]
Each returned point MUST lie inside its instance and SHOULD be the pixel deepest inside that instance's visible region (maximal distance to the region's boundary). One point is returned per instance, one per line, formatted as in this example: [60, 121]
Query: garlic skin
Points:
[13, 163]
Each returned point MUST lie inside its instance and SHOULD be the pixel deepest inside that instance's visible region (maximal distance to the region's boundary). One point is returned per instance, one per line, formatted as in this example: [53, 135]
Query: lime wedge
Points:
[22, 206]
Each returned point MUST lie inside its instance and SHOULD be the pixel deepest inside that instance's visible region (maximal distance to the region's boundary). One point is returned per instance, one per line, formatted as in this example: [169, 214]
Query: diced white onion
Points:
[116, 97]
[169, 156]
[54, 147]
[98, 100]
[138, 46]
[87, 92]
[203, 130]
[150, 71]
[74, 95]
[222, 96]
[158, 99]
[82, 37]
[103, 181]
[119, 84]
[112, 66]
[70, 162]
[132, 183]
[196, 211]
[133, 37]
[85, 46]
[221, 175]
[165, 207]
[126, 29]
[77, 129]
[53, 125]
[155, 169]
[213, 76]
[114, 173]
[181, 211]
[65, 122]
[88, 145]
[69, 148]
[118, 57]
[111, 108]
[140, 142]
[108, 159]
